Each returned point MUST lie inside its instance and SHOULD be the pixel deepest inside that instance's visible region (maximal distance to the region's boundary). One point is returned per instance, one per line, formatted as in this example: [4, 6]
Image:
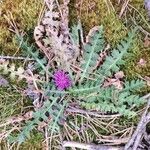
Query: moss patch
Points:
[35, 142]
[11, 102]
[24, 14]
[95, 12]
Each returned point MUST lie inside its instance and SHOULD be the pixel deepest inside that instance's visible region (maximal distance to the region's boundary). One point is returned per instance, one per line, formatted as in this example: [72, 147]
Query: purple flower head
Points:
[62, 80]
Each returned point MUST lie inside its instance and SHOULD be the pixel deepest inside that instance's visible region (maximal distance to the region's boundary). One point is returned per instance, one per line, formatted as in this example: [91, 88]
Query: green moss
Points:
[132, 68]
[24, 14]
[127, 122]
[34, 143]
[97, 12]
[11, 102]
[139, 51]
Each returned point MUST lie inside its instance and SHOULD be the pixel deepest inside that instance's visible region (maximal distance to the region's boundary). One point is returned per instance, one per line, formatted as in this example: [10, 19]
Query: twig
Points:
[76, 110]
[140, 27]
[123, 8]
[142, 17]
[135, 139]
[46, 139]
[143, 30]
[15, 58]
[4, 135]
[115, 141]
[109, 4]
[89, 146]
[146, 96]
[17, 119]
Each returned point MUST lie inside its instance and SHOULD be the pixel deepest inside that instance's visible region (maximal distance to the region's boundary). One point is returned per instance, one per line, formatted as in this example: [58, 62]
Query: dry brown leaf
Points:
[41, 126]
[91, 33]
[147, 79]
[119, 75]
[52, 34]
[109, 82]
[2, 61]
[147, 42]
[116, 82]
[142, 62]
[28, 115]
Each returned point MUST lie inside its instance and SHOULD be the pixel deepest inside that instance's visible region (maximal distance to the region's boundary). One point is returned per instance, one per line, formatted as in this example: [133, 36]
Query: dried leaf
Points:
[142, 62]
[28, 115]
[41, 126]
[2, 61]
[119, 75]
[52, 35]
[118, 85]
[147, 79]
[3, 82]
[91, 33]
[147, 42]
[116, 82]
[31, 91]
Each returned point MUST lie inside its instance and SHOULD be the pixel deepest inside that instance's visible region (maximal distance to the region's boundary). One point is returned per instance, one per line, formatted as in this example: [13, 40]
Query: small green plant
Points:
[68, 68]
[89, 90]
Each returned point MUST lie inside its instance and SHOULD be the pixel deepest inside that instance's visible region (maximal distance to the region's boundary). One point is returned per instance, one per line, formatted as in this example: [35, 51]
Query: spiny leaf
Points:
[113, 62]
[40, 62]
[40, 114]
[133, 85]
[77, 34]
[88, 87]
[95, 45]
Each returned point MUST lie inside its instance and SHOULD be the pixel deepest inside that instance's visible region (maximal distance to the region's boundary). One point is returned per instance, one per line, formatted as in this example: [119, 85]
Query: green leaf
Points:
[133, 85]
[113, 62]
[95, 45]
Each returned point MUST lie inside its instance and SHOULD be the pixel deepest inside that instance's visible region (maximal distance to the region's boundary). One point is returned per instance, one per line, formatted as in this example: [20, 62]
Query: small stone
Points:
[142, 62]
[3, 82]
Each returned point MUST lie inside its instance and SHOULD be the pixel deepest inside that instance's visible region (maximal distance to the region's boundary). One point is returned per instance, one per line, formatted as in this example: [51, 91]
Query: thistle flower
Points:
[62, 80]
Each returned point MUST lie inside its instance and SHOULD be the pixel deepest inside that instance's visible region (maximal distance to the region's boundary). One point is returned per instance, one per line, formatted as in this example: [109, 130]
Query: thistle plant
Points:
[76, 70]
[61, 80]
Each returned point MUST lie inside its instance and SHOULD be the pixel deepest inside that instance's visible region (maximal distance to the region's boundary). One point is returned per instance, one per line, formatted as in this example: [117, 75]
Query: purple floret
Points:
[62, 80]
